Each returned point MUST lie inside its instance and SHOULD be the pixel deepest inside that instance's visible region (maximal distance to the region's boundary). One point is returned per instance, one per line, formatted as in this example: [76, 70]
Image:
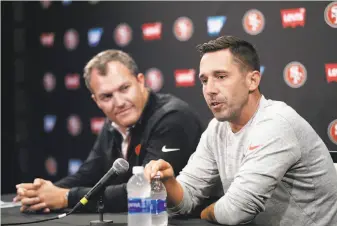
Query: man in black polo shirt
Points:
[140, 126]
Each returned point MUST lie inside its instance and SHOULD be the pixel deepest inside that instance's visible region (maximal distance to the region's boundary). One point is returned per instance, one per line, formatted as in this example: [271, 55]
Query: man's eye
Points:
[124, 88]
[221, 76]
[106, 96]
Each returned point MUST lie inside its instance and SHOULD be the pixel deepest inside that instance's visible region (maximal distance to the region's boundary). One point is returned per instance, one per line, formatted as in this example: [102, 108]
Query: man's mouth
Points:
[123, 111]
[216, 106]
[213, 104]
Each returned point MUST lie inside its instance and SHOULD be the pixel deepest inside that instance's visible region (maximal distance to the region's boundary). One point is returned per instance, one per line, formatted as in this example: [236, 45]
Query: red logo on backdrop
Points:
[293, 17]
[184, 77]
[331, 72]
[330, 14]
[51, 166]
[183, 28]
[123, 34]
[295, 74]
[71, 39]
[152, 31]
[154, 79]
[332, 131]
[45, 3]
[96, 124]
[74, 125]
[72, 81]
[253, 22]
[47, 39]
[49, 82]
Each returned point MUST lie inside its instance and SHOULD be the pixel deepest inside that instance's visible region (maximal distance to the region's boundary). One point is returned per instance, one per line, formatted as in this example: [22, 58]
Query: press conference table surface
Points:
[13, 215]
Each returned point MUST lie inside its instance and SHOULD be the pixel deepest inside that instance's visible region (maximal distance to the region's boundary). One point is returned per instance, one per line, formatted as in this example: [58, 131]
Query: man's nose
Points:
[118, 100]
[211, 88]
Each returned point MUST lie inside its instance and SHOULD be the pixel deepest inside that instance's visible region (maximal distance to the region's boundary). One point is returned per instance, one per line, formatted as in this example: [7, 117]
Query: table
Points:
[11, 215]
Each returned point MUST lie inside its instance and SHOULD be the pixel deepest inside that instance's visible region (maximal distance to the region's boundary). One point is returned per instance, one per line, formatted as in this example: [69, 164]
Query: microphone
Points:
[120, 166]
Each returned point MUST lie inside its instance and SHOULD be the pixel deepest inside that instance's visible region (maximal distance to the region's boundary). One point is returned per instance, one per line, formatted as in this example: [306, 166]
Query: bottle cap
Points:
[138, 169]
[157, 175]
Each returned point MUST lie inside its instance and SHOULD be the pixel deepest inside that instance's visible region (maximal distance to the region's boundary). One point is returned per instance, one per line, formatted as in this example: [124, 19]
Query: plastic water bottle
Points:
[158, 202]
[139, 198]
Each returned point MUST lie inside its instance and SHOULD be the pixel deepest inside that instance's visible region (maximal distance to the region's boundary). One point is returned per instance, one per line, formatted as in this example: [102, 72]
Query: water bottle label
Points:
[139, 206]
[158, 206]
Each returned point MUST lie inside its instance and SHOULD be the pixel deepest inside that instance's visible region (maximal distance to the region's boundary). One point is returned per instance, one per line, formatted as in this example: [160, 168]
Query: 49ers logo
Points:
[330, 14]
[154, 79]
[183, 28]
[123, 34]
[49, 82]
[253, 22]
[332, 131]
[74, 125]
[295, 74]
[71, 39]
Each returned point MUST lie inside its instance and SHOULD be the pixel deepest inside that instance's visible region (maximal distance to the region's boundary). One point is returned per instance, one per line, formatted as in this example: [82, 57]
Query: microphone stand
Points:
[100, 208]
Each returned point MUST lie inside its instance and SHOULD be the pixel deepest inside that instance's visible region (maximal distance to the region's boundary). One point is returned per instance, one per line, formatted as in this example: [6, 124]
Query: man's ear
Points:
[253, 80]
[141, 80]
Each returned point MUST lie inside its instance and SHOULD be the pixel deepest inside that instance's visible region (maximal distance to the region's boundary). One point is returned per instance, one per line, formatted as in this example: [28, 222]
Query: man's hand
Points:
[174, 190]
[42, 194]
[208, 213]
[27, 190]
[164, 168]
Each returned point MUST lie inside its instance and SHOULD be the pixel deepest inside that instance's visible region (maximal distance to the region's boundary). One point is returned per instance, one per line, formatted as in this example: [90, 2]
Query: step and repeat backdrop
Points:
[297, 43]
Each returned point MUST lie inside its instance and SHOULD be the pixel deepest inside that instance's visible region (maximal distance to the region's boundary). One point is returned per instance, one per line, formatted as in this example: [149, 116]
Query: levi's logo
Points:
[72, 81]
[96, 124]
[47, 39]
[331, 72]
[184, 77]
[152, 31]
[293, 17]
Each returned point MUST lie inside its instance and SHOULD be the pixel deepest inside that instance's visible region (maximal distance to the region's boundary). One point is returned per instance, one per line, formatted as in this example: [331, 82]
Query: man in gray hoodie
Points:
[273, 167]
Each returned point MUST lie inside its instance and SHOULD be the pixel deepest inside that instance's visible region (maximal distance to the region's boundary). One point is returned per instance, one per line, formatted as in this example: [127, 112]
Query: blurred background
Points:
[48, 120]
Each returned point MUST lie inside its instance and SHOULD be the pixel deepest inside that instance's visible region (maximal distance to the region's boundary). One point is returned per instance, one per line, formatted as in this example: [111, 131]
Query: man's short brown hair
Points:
[101, 60]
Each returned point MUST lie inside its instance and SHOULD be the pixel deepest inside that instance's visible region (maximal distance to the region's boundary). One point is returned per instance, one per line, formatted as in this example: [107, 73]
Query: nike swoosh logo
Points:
[251, 148]
[164, 149]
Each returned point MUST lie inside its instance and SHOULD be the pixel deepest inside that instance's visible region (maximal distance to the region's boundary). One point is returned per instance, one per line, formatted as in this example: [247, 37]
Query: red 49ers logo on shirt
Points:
[295, 74]
[253, 22]
[330, 14]
[183, 28]
[332, 131]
